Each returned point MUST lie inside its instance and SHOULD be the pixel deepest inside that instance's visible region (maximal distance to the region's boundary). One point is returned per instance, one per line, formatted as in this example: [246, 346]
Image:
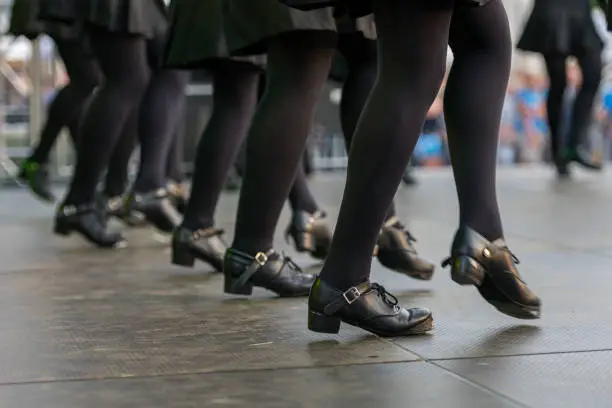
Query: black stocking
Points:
[413, 51]
[174, 165]
[159, 115]
[297, 69]
[300, 197]
[475, 93]
[116, 181]
[555, 65]
[67, 107]
[360, 56]
[591, 67]
[123, 60]
[234, 101]
[412, 46]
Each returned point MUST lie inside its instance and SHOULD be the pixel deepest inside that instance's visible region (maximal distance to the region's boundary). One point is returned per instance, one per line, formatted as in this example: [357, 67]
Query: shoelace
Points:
[387, 297]
[399, 226]
[294, 268]
[514, 257]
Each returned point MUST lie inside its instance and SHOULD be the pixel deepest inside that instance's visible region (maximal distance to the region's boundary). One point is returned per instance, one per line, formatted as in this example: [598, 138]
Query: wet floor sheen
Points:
[81, 327]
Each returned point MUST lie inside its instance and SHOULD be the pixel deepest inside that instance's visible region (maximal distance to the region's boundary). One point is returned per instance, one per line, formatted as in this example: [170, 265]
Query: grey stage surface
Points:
[87, 328]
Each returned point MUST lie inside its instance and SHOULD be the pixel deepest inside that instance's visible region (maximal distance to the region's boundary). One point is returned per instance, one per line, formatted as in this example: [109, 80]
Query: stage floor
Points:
[81, 327]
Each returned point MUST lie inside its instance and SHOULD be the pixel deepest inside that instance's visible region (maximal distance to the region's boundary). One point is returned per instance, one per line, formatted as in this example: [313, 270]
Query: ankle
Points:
[250, 248]
[341, 282]
[196, 224]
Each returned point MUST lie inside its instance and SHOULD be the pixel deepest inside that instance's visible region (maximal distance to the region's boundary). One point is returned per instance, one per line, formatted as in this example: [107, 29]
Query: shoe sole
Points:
[511, 309]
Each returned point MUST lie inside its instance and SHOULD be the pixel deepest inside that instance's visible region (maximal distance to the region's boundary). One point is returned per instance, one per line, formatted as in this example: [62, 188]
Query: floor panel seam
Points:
[479, 386]
[543, 353]
[466, 380]
[199, 373]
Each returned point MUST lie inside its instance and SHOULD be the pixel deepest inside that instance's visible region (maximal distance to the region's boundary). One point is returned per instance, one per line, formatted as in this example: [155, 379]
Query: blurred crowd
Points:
[524, 130]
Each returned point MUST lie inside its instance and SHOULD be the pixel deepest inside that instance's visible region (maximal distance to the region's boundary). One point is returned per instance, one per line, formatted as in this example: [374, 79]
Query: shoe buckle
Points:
[351, 295]
[261, 258]
[69, 210]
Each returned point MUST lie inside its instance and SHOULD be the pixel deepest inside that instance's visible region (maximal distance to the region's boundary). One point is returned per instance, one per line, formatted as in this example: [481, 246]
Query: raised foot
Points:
[491, 268]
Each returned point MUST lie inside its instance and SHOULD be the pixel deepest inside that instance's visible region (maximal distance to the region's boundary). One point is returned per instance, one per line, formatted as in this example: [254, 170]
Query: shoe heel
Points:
[466, 271]
[319, 323]
[233, 287]
[182, 257]
[61, 229]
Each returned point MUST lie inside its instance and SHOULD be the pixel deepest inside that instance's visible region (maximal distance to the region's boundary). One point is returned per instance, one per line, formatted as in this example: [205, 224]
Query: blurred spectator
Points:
[533, 127]
[430, 150]
[509, 143]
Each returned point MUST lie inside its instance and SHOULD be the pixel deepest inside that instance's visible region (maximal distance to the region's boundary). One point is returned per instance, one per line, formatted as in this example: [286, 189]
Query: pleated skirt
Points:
[560, 30]
[360, 8]
[25, 21]
[146, 18]
[251, 24]
[197, 37]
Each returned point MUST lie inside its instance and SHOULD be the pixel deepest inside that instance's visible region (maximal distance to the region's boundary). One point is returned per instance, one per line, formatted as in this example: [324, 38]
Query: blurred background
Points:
[30, 74]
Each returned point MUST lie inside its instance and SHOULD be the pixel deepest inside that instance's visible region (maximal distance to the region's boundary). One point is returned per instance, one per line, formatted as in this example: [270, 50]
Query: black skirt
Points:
[356, 45]
[250, 24]
[197, 37]
[560, 27]
[360, 8]
[25, 21]
[146, 18]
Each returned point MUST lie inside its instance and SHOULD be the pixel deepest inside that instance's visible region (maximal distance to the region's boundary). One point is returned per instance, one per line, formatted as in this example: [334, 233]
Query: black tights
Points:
[159, 115]
[117, 174]
[161, 124]
[300, 197]
[123, 60]
[234, 100]
[174, 164]
[360, 56]
[591, 66]
[298, 66]
[69, 104]
[412, 45]
[237, 87]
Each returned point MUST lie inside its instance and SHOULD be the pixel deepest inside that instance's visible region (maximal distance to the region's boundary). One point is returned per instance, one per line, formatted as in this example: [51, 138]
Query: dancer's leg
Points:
[123, 61]
[234, 101]
[475, 92]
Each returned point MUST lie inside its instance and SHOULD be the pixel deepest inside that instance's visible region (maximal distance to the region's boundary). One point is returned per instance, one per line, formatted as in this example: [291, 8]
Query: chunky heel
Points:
[182, 257]
[320, 323]
[466, 271]
[233, 286]
[63, 230]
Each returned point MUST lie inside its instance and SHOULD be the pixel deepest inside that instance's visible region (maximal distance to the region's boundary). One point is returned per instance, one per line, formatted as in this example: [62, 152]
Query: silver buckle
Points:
[351, 295]
[261, 258]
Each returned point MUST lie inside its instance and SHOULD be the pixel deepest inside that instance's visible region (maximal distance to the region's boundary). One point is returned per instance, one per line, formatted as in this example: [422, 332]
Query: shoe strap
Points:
[259, 261]
[346, 298]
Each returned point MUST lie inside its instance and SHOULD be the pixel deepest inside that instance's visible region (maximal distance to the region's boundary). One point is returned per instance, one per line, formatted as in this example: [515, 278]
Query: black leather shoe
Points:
[85, 220]
[583, 158]
[269, 270]
[179, 195]
[205, 245]
[157, 208]
[563, 170]
[310, 233]
[367, 306]
[36, 177]
[116, 207]
[491, 267]
[395, 250]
